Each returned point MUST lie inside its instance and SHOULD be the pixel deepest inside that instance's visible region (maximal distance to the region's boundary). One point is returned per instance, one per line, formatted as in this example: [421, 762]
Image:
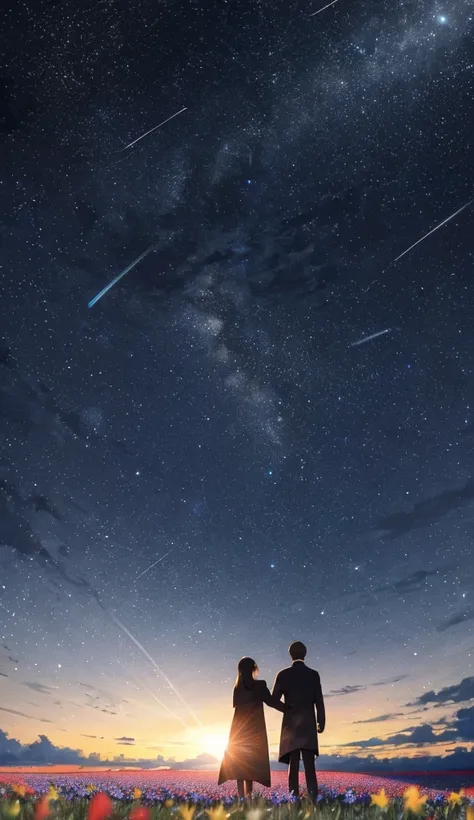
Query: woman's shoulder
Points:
[262, 684]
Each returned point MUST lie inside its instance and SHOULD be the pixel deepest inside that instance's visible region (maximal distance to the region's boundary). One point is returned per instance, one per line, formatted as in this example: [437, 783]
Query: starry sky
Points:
[212, 460]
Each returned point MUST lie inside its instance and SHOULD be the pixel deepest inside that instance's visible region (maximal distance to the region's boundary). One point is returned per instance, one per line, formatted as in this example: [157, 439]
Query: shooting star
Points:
[153, 565]
[120, 276]
[160, 671]
[323, 8]
[434, 229]
[369, 338]
[142, 686]
[153, 129]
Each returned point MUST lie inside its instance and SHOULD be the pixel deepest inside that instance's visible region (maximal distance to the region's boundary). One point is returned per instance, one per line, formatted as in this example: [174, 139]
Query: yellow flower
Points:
[19, 789]
[52, 794]
[381, 800]
[455, 798]
[187, 812]
[414, 801]
[219, 813]
[136, 793]
[470, 813]
[168, 803]
[14, 808]
[90, 787]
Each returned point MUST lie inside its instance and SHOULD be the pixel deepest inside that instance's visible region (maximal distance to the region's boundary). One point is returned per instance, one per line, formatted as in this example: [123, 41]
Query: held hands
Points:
[320, 731]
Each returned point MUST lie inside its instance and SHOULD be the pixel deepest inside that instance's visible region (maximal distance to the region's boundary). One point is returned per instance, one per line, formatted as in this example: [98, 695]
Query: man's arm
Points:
[319, 703]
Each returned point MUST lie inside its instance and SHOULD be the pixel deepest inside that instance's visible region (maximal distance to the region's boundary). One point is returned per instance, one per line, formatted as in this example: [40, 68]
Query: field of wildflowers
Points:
[179, 795]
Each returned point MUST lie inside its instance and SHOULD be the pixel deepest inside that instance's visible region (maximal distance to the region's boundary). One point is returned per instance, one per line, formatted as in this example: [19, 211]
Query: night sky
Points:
[212, 413]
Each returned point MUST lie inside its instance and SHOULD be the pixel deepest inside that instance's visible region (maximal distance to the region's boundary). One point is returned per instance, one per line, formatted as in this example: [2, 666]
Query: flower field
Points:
[181, 795]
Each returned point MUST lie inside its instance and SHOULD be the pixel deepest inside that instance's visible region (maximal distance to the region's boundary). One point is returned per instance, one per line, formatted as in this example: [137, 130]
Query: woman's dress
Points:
[246, 756]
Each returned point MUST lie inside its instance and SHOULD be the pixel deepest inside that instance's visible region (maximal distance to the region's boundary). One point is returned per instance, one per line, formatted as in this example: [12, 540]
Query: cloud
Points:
[381, 718]
[425, 512]
[43, 751]
[94, 737]
[415, 735]
[409, 583]
[454, 620]
[456, 693]
[125, 741]
[202, 761]
[390, 681]
[460, 727]
[459, 759]
[464, 723]
[350, 689]
[39, 687]
[22, 714]
[346, 690]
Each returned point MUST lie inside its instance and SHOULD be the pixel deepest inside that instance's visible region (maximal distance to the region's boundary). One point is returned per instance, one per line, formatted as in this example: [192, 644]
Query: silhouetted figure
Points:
[301, 688]
[246, 758]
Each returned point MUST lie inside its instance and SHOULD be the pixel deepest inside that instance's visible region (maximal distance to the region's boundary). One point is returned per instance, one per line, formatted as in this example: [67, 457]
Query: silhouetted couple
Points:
[246, 758]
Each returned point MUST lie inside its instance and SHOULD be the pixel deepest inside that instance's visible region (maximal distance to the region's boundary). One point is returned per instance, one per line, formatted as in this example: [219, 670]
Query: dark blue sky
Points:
[212, 407]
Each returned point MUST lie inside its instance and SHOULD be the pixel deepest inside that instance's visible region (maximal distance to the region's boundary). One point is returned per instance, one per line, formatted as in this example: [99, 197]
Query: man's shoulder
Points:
[284, 671]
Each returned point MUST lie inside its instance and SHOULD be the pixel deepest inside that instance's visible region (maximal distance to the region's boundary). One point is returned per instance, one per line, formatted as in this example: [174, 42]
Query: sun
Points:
[215, 743]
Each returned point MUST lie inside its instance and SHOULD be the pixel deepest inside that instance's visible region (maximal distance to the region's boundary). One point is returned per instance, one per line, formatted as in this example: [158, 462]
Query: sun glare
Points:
[215, 743]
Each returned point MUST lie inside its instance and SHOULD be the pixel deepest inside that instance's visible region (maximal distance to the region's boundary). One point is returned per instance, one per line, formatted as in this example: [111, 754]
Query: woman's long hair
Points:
[245, 672]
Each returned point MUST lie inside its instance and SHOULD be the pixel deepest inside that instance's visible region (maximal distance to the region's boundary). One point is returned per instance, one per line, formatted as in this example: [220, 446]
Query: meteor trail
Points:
[163, 705]
[117, 278]
[324, 7]
[160, 671]
[153, 565]
[433, 230]
[369, 338]
[153, 129]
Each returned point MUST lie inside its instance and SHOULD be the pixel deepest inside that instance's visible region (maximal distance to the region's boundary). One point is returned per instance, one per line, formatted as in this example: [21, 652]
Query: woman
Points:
[246, 758]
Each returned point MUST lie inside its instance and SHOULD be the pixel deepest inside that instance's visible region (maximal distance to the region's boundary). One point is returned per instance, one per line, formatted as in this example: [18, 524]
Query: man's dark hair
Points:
[297, 651]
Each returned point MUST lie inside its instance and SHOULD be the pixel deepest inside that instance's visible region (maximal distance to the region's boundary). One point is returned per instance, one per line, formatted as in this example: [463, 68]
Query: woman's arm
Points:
[271, 700]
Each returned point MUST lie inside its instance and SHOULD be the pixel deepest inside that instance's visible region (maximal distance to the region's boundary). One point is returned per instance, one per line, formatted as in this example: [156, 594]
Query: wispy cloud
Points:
[41, 688]
[459, 618]
[381, 718]
[22, 714]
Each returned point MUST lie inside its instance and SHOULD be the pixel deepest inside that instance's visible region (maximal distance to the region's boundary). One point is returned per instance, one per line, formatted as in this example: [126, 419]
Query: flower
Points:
[187, 812]
[42, 809]
[52, 793]
[381, 800]
[168, 803]
[454, 798]
[219, 813]
[100, 807]
[140, 813]
[413, 799]
[14, 808]
[470, 813]
[137, 793]
[253, 814]
[19, 789]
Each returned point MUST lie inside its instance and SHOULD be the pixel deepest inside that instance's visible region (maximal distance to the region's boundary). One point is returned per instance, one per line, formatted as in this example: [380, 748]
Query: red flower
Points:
[140, 813]
[42, 810]
[100, 807]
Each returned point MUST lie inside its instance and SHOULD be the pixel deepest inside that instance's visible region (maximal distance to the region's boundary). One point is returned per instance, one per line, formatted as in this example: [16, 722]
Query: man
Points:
[301, 688]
